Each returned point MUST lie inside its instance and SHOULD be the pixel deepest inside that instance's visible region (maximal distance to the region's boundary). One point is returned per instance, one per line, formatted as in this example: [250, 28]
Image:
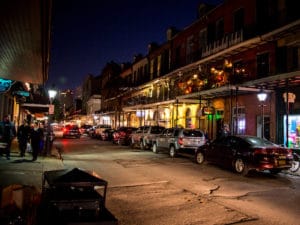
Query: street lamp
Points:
[52, 93]
[262, 96]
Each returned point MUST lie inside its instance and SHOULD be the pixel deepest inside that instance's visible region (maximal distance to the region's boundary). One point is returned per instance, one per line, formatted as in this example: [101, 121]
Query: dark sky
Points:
[86, 34]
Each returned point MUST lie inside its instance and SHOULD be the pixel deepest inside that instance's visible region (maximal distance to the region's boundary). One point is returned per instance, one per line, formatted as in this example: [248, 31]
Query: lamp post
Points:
[262, 96]
[52, 93]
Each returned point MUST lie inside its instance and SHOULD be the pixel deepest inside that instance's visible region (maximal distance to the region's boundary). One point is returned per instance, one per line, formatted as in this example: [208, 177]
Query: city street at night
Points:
[149, 113]
[149, 188]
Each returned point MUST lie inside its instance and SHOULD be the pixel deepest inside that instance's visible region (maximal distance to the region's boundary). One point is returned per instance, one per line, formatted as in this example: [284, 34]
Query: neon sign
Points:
[5, 84]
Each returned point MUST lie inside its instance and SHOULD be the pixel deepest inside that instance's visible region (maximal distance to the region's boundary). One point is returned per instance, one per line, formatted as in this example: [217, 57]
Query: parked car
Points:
[57, 129]
[176, 141]
[145, 135]
[84, 129]
[99, 129]
[71, 131]
[122, 135]
[107, 134]
[243, 153]
[91, 132]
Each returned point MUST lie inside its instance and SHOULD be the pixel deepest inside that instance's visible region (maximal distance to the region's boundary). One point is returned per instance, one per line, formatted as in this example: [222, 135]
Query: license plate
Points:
[191, 142]
[281, 162]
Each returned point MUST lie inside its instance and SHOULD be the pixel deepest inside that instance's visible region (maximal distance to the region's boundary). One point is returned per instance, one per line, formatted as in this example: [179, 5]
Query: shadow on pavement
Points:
[23, 161]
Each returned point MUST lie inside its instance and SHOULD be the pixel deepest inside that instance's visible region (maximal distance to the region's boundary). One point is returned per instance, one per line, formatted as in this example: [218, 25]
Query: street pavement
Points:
[24, 171]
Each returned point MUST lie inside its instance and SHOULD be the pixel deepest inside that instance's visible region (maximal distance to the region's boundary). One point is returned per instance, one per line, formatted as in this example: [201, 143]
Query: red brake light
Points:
[289, 152]
[180, 141]
[260, 151]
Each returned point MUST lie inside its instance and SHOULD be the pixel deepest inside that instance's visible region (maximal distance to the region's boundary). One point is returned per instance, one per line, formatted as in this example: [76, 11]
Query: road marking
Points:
[140, 184]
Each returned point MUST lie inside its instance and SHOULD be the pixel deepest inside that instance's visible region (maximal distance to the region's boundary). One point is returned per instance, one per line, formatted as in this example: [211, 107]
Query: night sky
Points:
[86, 34]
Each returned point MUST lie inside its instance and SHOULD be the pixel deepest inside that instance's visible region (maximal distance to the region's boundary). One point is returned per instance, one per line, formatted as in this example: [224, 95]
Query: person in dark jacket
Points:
[8, 133]
[23, 137]
[36, 136]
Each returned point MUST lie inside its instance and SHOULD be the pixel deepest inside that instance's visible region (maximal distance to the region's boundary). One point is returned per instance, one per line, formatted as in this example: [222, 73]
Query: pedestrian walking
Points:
[8, 133]
[23, 137]
[36, 136]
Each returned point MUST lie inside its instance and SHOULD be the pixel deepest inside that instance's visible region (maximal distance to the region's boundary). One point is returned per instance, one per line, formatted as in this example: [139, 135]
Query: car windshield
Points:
[256, 141]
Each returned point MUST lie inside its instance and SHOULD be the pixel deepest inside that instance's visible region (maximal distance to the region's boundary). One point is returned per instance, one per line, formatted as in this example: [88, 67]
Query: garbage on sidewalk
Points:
[74, 196]
[19, 204]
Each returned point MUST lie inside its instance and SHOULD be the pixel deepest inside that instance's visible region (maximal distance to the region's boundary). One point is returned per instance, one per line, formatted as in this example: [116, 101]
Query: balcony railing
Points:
[225, 42]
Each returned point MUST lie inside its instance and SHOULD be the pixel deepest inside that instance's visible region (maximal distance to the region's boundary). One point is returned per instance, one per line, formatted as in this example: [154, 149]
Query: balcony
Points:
[225, 42]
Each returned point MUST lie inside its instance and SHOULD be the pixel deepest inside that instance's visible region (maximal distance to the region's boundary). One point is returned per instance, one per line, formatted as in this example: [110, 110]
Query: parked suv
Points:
[182, 141]
[145, 135]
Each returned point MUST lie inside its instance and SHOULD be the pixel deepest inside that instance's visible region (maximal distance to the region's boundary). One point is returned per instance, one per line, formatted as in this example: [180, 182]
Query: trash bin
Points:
[74, 196]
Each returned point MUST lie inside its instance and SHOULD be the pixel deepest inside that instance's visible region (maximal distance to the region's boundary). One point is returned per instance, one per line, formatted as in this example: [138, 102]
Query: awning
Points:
[36, 108]
[276, 81]
[25, 28]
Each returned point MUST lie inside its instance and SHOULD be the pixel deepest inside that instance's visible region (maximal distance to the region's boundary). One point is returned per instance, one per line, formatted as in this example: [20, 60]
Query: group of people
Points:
[32, 134]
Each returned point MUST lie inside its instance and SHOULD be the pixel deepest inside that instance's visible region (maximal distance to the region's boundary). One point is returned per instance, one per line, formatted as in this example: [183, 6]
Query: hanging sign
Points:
[208, 110]
[289, 97]
[51, 109]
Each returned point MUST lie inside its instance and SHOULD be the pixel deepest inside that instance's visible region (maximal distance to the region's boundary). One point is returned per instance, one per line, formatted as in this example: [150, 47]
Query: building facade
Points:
[215, 68]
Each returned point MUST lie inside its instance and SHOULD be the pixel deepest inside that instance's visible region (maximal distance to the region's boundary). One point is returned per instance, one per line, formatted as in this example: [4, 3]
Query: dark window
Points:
[262, 62]
[295, 58]
[220, 29]
[238, 20]
[177, 57]
[281, 62]
[211, 32]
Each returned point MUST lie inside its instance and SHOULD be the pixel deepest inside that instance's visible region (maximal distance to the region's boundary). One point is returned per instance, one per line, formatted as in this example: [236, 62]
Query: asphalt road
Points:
[148, 188]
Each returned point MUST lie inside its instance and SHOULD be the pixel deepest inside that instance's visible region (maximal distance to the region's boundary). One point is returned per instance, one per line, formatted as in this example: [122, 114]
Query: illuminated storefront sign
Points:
[22, 93]
[293, 131]
[5, 85]
[208, 110]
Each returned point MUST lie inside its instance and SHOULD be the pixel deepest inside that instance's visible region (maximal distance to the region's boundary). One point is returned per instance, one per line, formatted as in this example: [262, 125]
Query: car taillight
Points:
[289, 153]
[180, 141]
[260, 151]
[65, 129]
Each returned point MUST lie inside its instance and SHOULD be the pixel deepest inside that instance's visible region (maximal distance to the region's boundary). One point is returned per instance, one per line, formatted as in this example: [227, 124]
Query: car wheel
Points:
[154, 148]
[241, 167]
[199, 157]
[172, 151]
[295, 166]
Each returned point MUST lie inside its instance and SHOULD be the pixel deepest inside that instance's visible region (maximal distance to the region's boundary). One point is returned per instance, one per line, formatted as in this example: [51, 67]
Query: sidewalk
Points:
[23, 171]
